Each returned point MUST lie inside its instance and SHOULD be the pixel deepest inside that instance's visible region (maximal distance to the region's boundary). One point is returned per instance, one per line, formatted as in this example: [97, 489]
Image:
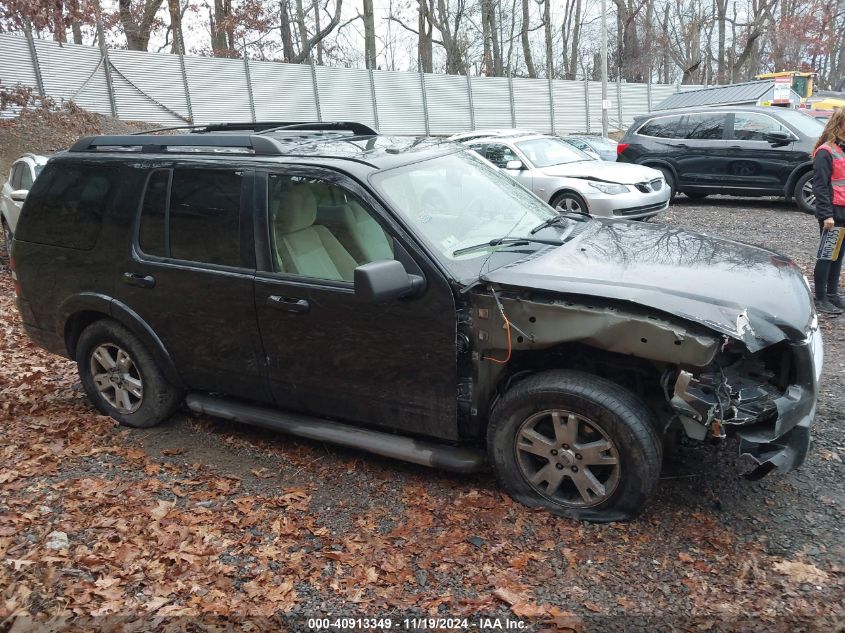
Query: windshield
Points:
[804, 123]
[545, 152]
[460, 200]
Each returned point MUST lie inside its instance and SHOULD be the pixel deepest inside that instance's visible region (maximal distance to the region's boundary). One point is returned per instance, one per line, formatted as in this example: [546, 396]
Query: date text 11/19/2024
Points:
[415, 624]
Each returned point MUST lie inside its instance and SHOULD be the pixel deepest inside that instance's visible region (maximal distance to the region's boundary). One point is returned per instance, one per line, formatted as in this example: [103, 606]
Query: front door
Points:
[330, 353]
[190, 277]
[754, 164]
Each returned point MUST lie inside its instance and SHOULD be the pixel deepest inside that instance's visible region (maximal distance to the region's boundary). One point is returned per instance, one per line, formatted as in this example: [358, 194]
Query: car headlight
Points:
[608, 187]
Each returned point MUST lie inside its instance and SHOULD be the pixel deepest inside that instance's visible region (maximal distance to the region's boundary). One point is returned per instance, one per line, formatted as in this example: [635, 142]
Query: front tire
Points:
[121, 378]
[803, 193]
[570, 202]
[576, 444]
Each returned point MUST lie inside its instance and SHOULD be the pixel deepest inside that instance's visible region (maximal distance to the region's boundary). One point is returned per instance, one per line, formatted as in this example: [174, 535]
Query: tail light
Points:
[621, 147]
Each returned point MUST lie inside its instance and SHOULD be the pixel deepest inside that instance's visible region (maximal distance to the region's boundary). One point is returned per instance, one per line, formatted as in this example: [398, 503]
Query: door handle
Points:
[288, 304]
[139, 279]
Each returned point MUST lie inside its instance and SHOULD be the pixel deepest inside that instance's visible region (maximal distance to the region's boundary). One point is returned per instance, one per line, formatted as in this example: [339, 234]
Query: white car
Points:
[570, 180]
[23, 173]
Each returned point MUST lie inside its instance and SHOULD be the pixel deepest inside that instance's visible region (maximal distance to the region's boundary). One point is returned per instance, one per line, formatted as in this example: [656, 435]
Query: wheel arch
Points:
[568, 189]
[657, 162]
[789, 187]
[82, 310]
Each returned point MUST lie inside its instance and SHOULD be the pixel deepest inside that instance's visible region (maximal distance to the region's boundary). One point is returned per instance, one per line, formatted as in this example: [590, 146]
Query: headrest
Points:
[295, 209]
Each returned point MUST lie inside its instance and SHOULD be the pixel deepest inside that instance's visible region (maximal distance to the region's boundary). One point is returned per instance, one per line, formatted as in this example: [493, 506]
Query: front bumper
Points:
[633, 205]
[773, 427]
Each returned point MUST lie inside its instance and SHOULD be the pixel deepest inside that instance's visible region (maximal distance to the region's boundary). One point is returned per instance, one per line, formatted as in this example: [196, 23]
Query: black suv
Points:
[300, 277]
[741, 151]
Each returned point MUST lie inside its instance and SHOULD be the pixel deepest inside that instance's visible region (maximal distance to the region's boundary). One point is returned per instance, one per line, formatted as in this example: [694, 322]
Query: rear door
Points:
[754, 164]
[190, 276]
[330, 353]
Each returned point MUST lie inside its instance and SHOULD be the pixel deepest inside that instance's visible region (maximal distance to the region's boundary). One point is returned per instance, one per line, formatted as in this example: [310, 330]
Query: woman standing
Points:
[829, 189]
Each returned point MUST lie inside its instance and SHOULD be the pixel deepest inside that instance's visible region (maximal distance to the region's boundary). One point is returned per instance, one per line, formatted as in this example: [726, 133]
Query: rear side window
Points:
[66, 205]
[750, 126]
[192, 215]
[26, 177]
[707, 127]
[665, 127]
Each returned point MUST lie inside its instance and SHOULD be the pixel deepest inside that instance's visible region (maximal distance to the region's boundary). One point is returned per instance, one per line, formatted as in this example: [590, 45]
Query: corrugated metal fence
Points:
[171, 89]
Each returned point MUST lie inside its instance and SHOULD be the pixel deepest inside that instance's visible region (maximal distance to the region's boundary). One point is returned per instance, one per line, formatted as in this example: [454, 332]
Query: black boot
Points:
[836, 300]
[825, 306]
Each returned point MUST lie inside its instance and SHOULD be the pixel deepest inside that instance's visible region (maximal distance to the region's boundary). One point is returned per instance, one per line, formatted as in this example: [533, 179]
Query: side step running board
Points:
[456, 459]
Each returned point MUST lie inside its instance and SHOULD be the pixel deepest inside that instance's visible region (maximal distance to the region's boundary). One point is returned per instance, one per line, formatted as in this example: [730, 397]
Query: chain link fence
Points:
[174, 89]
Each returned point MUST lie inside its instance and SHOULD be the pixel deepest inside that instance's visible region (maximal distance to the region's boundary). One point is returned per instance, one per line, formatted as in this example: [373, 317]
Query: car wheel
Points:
[121, 378]
[695, 195]
[669, 177]
[576, 444]
[803, 193]
[570, 202]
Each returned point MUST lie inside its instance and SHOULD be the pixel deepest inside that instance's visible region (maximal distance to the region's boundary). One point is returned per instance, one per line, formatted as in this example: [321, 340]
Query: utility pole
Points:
[605, 102]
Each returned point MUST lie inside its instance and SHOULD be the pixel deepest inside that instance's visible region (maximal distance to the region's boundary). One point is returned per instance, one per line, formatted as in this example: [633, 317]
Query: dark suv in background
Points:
[740, 151]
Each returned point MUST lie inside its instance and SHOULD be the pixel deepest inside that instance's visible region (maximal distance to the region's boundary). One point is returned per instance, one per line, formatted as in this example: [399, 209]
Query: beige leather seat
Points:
[356, 229]
[301, 247]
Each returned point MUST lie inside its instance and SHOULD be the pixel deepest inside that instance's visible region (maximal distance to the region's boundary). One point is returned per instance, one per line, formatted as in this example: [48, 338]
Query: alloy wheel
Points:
[570, 205]
[117, 378]
[567, 458]
[807, 193]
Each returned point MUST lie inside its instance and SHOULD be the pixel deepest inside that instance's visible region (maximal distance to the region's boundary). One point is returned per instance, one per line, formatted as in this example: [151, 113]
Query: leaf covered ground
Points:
[203, 525]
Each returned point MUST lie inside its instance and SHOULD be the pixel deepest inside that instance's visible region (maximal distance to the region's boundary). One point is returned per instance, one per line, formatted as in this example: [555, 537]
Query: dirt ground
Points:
[207, 525]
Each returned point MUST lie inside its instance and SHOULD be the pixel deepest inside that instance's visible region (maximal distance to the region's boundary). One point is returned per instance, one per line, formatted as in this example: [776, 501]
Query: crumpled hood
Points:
[748, 293]
[622, 173]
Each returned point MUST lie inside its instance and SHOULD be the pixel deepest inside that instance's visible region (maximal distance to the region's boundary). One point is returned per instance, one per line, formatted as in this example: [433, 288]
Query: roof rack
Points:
[260, 145]
[268, 126]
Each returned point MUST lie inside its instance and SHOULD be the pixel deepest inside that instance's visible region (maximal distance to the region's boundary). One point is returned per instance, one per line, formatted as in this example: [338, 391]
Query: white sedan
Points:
[569, 180]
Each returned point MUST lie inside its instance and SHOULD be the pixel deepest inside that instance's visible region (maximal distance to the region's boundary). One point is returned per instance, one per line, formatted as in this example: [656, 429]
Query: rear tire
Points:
[8, 236]
[803, 193]
[589, 445]
[121, 378]
[570, 202]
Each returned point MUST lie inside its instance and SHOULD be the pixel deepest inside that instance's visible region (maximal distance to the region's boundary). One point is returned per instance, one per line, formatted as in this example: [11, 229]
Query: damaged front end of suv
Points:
[727, 330]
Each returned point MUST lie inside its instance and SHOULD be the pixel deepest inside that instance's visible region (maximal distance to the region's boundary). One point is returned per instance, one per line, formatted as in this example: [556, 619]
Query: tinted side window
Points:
[706, 126]
[66, 205]
[151, 234]
[205, 216]
[750, 126]
[26, 176]
[15, 177]
[664, 127]
[499, 155]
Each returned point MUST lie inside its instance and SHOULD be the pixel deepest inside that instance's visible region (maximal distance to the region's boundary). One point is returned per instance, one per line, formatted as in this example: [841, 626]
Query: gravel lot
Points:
[200, 519]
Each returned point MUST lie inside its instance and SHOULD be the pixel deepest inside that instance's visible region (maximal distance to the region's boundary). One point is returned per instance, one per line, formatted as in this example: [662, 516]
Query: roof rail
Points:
[268, 126]
[358, 129]
[261, 145]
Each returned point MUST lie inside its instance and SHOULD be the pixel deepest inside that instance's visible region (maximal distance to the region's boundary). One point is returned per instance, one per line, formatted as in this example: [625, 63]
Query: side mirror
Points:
[779, 137]
[514, 165]
[384, 280]
[19, 195]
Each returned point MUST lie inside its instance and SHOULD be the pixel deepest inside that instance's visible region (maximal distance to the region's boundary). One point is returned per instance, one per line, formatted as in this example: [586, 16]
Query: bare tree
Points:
[369, 34]
[138, 21]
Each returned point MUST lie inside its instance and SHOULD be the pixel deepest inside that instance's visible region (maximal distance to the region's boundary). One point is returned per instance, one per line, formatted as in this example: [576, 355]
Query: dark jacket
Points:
[822, 189]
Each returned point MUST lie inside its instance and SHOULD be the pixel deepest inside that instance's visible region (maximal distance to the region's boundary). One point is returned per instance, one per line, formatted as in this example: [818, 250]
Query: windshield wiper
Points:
[506, 241]
[557, 219]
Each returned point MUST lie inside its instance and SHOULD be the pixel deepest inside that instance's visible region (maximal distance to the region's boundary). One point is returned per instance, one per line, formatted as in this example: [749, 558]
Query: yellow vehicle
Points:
[802, 84]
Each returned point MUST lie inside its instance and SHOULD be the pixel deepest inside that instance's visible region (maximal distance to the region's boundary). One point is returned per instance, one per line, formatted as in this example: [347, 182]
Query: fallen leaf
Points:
[801, 572]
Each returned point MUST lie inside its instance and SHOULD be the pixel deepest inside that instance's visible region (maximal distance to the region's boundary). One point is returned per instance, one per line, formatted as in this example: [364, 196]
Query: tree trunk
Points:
[721, 17]
[76, 18]
[487, 55]
[547, 30]
[369, 35]
[526, 45]
[576, 41]
[285, 31]
[302, 29]
[425, 48]
[58, 21]
[177, 46]
[316, 6]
